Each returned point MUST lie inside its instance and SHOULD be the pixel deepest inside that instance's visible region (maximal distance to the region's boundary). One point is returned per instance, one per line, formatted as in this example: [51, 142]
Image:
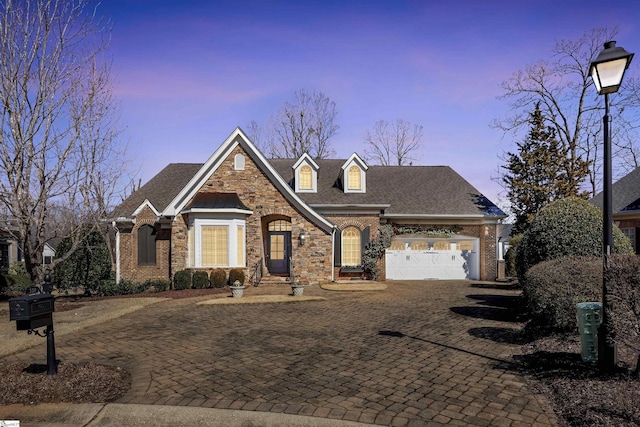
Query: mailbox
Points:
[32, 311]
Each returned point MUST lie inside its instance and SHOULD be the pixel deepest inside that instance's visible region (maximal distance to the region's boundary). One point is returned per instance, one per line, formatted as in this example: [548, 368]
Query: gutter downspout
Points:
[333, 254]
[113, 224]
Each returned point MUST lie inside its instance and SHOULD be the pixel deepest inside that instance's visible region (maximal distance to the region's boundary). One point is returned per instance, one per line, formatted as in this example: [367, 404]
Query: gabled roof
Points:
[169, 194]
[625, 194]
[159, 191]
[409, 190]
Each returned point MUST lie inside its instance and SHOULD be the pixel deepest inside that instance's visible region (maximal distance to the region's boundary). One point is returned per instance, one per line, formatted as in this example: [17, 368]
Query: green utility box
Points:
[589, 318]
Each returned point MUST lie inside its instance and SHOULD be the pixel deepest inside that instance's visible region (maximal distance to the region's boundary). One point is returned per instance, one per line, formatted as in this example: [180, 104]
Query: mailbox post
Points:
[35, 311]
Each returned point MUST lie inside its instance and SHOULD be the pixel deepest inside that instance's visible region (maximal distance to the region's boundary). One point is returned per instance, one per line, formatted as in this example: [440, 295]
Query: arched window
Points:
[146, 245]
[306, 177]
[351, 246]
[355, 179]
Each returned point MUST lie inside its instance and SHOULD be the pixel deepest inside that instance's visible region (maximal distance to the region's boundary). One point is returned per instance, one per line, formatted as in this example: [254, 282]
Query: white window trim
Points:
[232, 242]
[314, 179]
[363, 180]
[342, 260]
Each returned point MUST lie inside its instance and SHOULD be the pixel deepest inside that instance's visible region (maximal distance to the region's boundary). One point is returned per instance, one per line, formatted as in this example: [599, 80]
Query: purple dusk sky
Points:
[188, 72]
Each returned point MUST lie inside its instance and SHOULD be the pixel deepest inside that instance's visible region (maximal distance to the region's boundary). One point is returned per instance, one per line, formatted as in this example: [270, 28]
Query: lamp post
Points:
[607, 71]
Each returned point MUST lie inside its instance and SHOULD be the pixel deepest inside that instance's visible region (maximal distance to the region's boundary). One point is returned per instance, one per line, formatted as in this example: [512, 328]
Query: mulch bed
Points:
[581, 394]
[74, 383]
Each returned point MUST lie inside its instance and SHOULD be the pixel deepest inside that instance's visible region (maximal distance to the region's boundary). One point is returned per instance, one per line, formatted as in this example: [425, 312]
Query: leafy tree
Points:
[395, 143]
[536, 174]
[566, 227]
[305, 125]
[58, 159]
[562, 88]
[86, 266]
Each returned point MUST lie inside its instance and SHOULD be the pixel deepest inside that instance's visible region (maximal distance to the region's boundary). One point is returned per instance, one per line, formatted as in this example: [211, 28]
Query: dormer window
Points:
[306, 178]
[354, 175]
[306, 175]
[355, 178]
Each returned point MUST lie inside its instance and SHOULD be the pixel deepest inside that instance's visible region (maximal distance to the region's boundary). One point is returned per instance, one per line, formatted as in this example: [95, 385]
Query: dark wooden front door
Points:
[278, 251]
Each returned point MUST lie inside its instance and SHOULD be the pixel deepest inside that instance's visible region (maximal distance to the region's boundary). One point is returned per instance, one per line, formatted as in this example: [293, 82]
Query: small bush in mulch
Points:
[74, 383]
[218, 278]
[182, 280]
[200, 280]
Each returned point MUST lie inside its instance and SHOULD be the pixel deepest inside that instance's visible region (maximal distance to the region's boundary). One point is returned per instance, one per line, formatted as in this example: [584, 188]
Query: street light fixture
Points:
[607, 71]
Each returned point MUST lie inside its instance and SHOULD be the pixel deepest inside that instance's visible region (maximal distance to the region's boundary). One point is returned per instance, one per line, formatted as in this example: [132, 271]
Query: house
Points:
[625, 204]
[241, 210]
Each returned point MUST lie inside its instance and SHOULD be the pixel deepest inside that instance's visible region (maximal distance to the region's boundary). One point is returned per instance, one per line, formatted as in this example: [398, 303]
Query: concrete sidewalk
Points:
[120, 415]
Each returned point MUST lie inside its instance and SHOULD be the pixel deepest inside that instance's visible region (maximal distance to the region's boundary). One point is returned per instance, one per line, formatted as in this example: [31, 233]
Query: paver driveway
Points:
[418, 353]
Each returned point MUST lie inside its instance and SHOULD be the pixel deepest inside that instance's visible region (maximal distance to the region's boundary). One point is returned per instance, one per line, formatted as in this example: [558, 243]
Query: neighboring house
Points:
[10, 251]
[625, 198]
[241, 210]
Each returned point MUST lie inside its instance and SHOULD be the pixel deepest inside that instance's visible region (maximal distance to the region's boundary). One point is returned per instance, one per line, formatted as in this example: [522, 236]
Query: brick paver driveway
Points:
[418, 353]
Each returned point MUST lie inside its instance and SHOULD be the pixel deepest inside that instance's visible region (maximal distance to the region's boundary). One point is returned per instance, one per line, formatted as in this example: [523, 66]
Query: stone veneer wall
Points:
[129, 268]
[312, 261]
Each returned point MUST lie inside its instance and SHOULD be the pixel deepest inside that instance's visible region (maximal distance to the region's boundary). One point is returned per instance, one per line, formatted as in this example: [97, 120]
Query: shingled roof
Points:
[160, 190]
[625, 194]
[407, 190]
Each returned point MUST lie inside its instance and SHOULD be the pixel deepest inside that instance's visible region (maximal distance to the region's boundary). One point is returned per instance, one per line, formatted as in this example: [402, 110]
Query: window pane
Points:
[305, 178]
[280, 225]
[354, 178]
[146, 245]
[441, 246]
[215, 245]
[465, 245]
[420, 246]
[351, 246]
[192, 246]
[240, 245]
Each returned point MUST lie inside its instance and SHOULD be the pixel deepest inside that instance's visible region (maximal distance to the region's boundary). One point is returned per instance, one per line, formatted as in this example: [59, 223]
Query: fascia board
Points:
[149, 205]
[355, 158]
[204, 210]
[306, 159]
[198, 180]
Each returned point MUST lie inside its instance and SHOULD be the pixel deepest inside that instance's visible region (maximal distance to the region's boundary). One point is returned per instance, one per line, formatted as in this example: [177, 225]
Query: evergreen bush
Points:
[510, 255]
[570, 226]
[157, 285]
[182, 280]
[236, 274]
[552, 289]
[375, 250]
[200, 280]
[87, 266]
[218, 278]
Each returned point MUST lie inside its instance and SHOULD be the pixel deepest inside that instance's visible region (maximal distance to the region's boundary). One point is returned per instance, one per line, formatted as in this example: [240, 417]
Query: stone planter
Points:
[237, 291]
[297, 289]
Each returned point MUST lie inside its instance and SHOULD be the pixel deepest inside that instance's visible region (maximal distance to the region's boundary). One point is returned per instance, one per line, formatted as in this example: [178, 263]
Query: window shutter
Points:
[337, 252]
[146, 245]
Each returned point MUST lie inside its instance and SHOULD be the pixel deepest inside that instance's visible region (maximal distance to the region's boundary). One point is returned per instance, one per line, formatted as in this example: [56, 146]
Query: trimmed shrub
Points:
[10, 283]
[565, 227]
[552, 289]
[624, 295]
[125, 287]
[218, 278]
[182, 280]
[200, 279]
[236, 274]
[510, 255]
[157, 285]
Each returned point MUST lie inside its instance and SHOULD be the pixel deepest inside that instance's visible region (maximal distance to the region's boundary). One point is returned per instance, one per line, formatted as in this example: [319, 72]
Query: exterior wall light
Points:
[302, 237]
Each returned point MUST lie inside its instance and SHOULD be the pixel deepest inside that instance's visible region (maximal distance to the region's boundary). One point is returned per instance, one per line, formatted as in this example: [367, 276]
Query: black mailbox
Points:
[32, 311]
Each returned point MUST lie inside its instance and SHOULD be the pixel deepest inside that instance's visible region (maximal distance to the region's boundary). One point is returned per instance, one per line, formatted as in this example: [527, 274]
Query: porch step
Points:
[274, 280]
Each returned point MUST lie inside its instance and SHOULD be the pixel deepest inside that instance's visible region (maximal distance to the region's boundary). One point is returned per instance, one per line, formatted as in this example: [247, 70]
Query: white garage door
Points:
[413, 258]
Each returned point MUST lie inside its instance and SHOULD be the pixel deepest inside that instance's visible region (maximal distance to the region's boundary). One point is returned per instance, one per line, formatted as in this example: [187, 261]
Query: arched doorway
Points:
[278, 246]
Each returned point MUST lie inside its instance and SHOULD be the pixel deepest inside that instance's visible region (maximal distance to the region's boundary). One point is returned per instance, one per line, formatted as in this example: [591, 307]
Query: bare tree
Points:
[60, 163]
[562, 86]
[305, 125]
[394, 143]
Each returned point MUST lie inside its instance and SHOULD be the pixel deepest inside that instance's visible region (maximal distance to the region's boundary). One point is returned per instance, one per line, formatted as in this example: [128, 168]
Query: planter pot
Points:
[297, 290]
[237, 291]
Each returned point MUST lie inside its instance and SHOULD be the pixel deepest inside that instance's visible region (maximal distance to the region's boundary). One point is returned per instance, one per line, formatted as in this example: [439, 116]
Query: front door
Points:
[278, 246]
